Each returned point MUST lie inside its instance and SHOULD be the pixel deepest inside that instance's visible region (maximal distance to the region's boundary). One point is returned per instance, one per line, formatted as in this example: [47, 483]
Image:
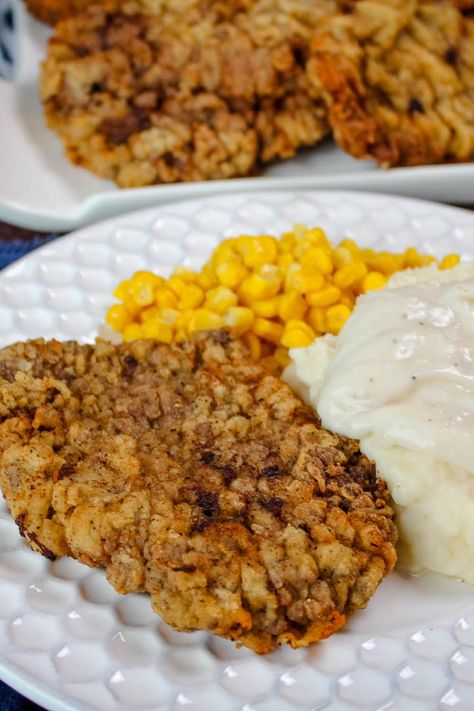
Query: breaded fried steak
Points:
[189, 472]
[399, 80]
[165, 97]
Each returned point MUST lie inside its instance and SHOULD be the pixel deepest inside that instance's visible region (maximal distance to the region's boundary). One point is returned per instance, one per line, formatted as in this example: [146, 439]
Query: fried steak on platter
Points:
[189, 472]
[399, 80]
[158, 97]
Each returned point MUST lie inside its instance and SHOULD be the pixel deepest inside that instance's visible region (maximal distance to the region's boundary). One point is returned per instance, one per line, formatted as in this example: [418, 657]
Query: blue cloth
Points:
[11, 701]
[10, 251]
[14, 249]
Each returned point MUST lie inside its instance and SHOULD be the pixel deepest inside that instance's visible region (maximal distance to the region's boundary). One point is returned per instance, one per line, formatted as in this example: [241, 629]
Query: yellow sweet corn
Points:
[190, 297]
[132, 332]
[326, 296]
[336, 316]
[231, 273]
[258, 251]
[373, 281]
[253, 344]
[449, 261]
[220, 299]
[349, 274]
[302, 279]
[239, 319]
[274, 293]
[165, 298]
[291, 306]
[268, 308]
[118, 317]
[158, 331]
[318, 259]
[203, 320]
[267, 329]
[297, 334]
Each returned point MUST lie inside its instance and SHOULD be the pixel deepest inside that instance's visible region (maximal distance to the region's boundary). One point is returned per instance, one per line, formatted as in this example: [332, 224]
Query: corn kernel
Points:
[317, 319]
[220, 299]
[132, 307]
[207, 278]
[297, 334]
[348, 300]
[224, 252]
[165, 298]
[121, 291]
[151, 313]
[291, 306]
[350, 245]
[190, 297]
[253, 344]
[284, 260]
[318, 259]
[203, 320]
[261, 285]
[385, 263]
[449, 261]
[141, 287]
[169, 316]
[176, 284]
[342, 256]
[373, 281]
[317, 236]
[326, 296]
[239, 319]
[302, 279]
[427, 259]
[268, 330]
[268, 308]
[281, 356]
[258, 251]
[286, 243]
[187, 275]
[270, 364]
[231, 273]
[349, 274]
[336, 316]
[158, 331]
[118, 317]
[132, 332]
[182, 322]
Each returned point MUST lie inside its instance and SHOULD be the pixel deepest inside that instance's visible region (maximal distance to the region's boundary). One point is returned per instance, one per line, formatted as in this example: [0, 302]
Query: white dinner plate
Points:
[41, 190]
[69, 641]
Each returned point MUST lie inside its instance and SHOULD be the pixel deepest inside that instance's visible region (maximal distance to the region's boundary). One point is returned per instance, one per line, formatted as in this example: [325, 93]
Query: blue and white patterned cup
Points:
[8, 38]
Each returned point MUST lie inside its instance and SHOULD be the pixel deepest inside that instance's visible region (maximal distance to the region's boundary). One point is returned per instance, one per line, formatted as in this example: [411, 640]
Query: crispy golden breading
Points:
[399, 78]
[189, 472]
[53, 11]
[148, 98]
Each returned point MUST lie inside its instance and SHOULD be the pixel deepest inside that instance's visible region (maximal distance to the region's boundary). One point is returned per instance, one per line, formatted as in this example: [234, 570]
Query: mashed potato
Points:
[400, 378]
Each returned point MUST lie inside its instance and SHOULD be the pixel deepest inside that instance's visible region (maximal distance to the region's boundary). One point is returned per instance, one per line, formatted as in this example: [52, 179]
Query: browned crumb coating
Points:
[399, 80]
[189, 472]
[158, 97]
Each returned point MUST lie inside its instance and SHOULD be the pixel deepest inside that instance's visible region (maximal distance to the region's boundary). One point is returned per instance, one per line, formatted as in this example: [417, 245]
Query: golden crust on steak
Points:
[399, 80]
[190, 473]
[159, 97]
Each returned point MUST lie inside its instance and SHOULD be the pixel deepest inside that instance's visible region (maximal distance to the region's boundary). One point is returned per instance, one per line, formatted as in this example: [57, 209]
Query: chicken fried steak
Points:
[188, 472]
[158, 97]
[399, 80]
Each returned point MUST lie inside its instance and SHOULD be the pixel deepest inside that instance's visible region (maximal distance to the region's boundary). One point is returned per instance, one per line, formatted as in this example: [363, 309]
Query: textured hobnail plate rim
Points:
[118, 240]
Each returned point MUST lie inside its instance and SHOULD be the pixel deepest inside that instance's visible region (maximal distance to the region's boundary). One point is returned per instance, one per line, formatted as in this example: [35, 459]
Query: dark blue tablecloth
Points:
[10, 251]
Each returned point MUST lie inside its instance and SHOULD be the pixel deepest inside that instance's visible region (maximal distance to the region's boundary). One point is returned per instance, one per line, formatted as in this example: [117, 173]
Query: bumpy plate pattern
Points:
[70, 642]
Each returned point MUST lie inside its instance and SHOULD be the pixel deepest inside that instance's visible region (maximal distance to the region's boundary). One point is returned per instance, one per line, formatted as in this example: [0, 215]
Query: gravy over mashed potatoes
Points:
[400, 377]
